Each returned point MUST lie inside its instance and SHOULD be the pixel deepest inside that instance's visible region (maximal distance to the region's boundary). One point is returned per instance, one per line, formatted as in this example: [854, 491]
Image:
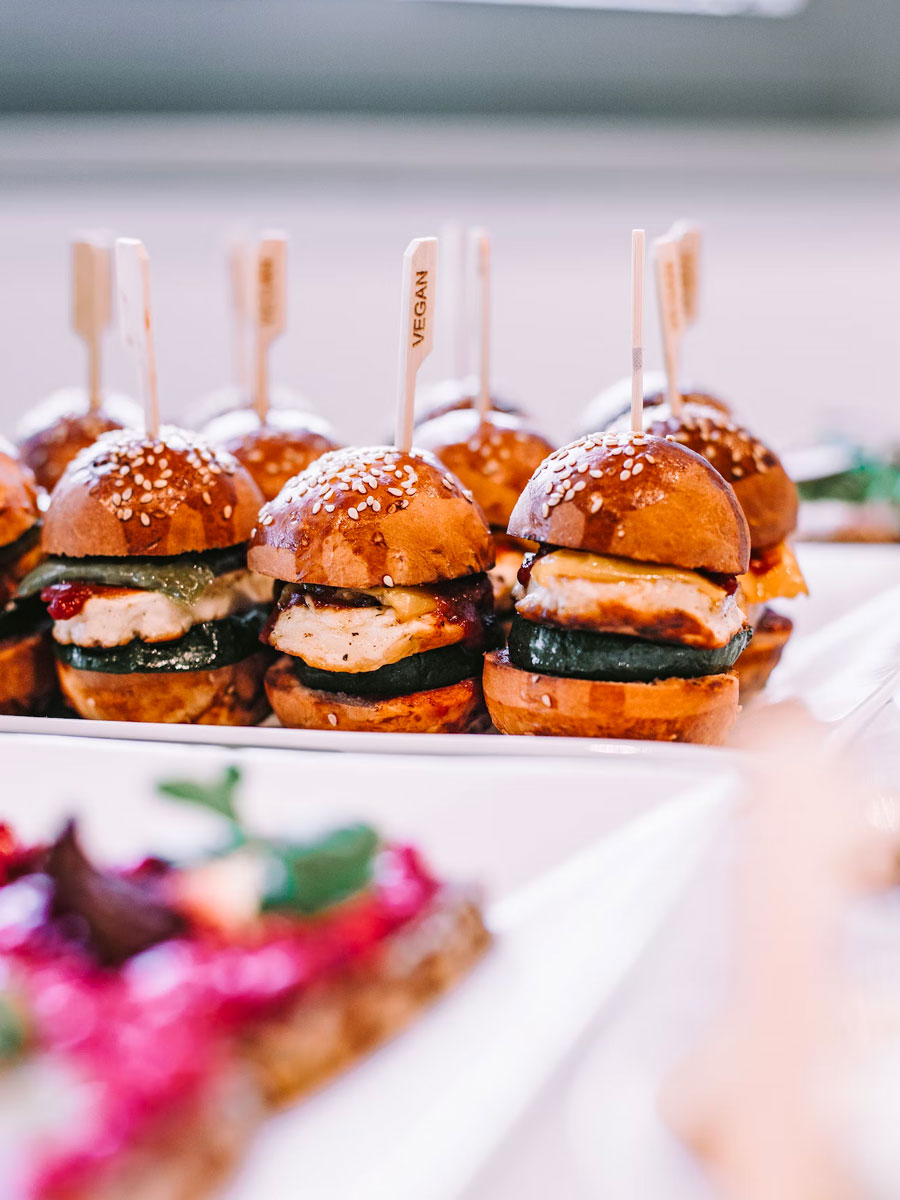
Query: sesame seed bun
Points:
[274, 452]
[27, 675]
[699, 710]
[611, 405]
[359, 518]
[61, 426]
[458, 708]
[637, 497]
[197, 498]
[230, 695]
[494, 456]
[764, 490]
[761, 657]
[18, 496]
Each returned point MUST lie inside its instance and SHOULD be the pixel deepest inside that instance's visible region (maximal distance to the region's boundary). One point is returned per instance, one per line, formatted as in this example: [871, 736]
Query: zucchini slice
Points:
[415, 673]
[577, 654]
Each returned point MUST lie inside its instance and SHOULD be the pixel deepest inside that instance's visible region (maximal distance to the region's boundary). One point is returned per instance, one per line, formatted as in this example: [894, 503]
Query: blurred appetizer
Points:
[768, 498]
[614, 405]
[384, 606]
[494, 456]
[149, 1016]
[628, 624]
[847, 493]
[155, 614]
[27, 673]
[53, 432]
[274, 449]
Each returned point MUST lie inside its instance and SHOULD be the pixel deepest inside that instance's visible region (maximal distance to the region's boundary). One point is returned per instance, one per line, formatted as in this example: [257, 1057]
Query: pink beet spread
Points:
[151, 1036]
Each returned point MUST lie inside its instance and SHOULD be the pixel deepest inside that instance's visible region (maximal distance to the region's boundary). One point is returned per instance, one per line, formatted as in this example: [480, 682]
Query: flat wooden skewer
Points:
[135, 322]
[92, 303]
[269, 312]
[480, 257]
[417, 299]
[638, 243]
[454, 297]
[240, 287]
[671, 313]
[689, 236]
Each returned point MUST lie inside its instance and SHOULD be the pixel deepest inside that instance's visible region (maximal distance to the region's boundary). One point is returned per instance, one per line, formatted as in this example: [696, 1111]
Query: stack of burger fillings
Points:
[273, 444]
[385, 609]
[27, 676]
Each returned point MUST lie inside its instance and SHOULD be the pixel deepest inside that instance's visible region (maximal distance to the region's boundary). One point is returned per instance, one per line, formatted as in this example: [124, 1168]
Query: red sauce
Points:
[153, 1036]
[66, 600]
[728, 583]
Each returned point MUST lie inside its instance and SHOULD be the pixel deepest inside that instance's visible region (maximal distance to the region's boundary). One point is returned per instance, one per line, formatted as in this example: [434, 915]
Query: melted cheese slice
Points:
[778, 575]
[593, 592]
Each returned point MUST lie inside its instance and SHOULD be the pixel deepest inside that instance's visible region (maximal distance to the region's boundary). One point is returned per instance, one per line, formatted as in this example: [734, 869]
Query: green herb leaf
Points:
[13, 1029]
[310, 878]
[218, 796]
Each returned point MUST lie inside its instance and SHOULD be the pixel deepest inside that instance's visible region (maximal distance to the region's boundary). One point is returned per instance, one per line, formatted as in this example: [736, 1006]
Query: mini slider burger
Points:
[384, 608]
[768, 498]
[628, 624]
[27, 674]
[275, 449]
[494, 456]
[155, 615]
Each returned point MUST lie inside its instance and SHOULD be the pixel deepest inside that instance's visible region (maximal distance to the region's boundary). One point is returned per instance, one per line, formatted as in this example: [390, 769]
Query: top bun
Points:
[638, 497]
[433, 400]
[764, 489]
[208, 407]
[274, 452]
[18, 496]
[494, 456]
[370, 518]
[607, 409]
[58, 428]
[131, 494]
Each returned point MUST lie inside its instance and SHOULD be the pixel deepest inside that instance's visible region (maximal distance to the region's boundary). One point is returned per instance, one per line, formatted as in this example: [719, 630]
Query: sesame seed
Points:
[546, 510]
[546, 701]
[394, 491]
[352, 514]
[637, 468]
[145, 520]
[207, 499]
[624, 475]
[387, 581]
[127, 494]
[160, 483]
[316, 507]
[332, 719]
[596, 502]
[227, 511]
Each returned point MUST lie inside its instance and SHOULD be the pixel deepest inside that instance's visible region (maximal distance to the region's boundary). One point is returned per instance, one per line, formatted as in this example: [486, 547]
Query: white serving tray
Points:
[851, 593]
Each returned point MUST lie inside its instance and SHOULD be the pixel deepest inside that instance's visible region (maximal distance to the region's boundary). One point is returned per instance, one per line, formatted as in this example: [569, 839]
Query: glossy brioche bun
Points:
[764, 490]
[63, 425]
[610, 406]
[761, 657]
[27, 675]
[230, 695]
[357, 518]
[199, 498]
[449, 395]
[494, 456]
[458, 708]
[274, 452]
[635, 497]
[18, 496]
[669, 710]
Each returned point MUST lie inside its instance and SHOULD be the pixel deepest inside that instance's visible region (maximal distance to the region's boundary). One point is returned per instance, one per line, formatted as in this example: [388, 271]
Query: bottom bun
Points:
[27, 675]
[334, 1025]
[762, 656]
[458, 708]
[232, 695]
[669, 710]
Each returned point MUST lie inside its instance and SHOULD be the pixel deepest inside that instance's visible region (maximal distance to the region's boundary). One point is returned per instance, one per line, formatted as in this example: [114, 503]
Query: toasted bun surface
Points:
[494, 456]
[57, 429]
[27, 675]
[232, 695]
[763, 488]
[132, 494]
[458, 708]
[359, 517]
[274, 452]
[610, 406]
[669, 710]
[762, 656]
[637, 497]
[18, 496]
